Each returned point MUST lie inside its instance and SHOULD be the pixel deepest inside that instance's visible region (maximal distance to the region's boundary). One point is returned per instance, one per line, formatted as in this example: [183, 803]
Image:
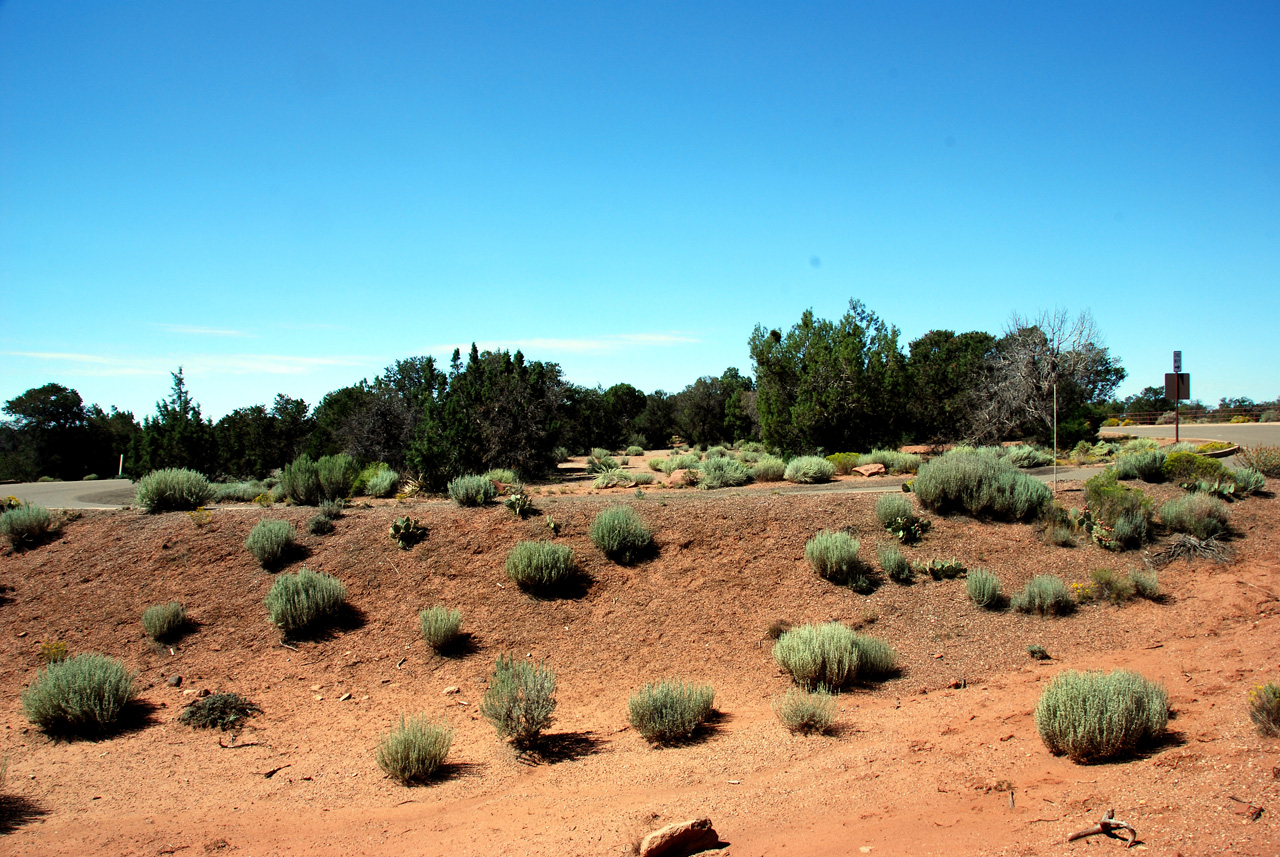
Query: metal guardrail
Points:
[1192, 414]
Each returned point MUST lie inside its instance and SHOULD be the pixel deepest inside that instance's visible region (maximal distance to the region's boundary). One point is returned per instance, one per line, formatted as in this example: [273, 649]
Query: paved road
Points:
[1244, 434]
[98, 494]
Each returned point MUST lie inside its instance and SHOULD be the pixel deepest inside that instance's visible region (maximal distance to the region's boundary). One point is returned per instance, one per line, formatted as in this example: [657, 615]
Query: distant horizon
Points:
[288, 198]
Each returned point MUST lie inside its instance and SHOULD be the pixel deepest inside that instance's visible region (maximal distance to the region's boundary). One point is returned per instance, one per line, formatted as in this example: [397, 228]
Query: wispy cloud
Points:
[204, 364]
[605, 344]
[190, 330]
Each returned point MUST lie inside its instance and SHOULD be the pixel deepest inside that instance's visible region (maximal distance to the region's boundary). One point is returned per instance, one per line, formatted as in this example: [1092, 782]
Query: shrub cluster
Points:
[440, 626]
[808, 469]
[26, 525]
[1024, 456]
[304, 601]
[831, 655]
[537, 566]
[722, 472]
[471, 490]
[382, 483]
[270, 542]
[670, 710]
[84, 695]
[980, 485]
[1045, 595]
[893, 461]
[1120, 516]
[520, 700]
[833, 554]
[300, 481]
[619, 532]
[320, 525]
[174, 489]
[164, 621]
[1144, 464]
[805, 711]
[769, 468]
[1200, 515]
[414, 750]
[844, 462]
[1094, 716]
[1264, 459]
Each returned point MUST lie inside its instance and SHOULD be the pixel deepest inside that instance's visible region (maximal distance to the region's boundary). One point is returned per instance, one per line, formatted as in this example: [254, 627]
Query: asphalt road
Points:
[97, 494]
[1242, 434]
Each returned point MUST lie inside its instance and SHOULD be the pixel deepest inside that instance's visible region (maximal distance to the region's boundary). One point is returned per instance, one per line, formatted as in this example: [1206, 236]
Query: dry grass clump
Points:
[832, 655]
[220, 711]
[808, 469]
[538, 566]
[1264, 708]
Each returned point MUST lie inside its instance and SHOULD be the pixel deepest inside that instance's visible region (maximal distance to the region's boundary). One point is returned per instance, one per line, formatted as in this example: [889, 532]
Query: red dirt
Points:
[944, 759]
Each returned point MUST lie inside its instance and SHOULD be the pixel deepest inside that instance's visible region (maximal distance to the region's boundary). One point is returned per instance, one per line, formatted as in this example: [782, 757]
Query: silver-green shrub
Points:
[670, 710]
[769, 468]
[304, 601]
[818, 655]
[382, 483]
[722, 472]
[1094, 716]
[337, 473]
[540, 565]
[983, 588]
[621, 534]
[504, 475]
[804, 711]
[84, 695]
[893, 461]
[471, 490]
[174, 489]
[1144, 464]
[270, 542]
[26, 525]
[808, 469]
[520, 700]
[238, 492]
[876, 658]
[440, 626]
[1247, 480]
[164, 621]
[1024, 455]
[1200, 515]
[635, 450]
[893, 563]
[980, 485]
[1046, 595]
[414, 750]
[300, 481]
[833, 554]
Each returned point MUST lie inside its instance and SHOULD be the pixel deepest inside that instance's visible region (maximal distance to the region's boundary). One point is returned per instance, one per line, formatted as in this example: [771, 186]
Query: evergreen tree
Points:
[175, 437]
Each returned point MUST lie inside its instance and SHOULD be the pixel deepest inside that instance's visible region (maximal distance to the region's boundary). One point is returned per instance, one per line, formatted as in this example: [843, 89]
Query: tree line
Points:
[821, 386]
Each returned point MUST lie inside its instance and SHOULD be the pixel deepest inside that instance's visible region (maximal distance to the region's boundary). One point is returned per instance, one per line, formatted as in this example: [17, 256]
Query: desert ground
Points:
[943, 758]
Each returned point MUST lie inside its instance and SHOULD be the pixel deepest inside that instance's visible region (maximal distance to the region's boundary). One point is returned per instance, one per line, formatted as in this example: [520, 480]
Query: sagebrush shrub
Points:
[560, 455]
[876, 658]
[1145, 584]
[891, 508]
[26, 526]
[414, 750]
[84, 695]
[320, 525]
[332, 509]
[1045, 595]
[1109, 586]
[833, 554]
[1264, 459]
[804, 711]
[1264, 708]
[983, 588]
[621, 534]
[218, 711]
[670, 710]
[808, 469]
[818, 655]
[1121, 514]
[300, 481]
[1024, 456]
[722, 472]
[1247, 480]
[504, 475]
[440, 626]
[174, 489]
[237, 492]
[893, 461]
[1144, 464]
[979, 485]
[471, 490]
[337, 473]
[383, 483]
[164, 621]
[769, 468]
[304, 601]
[635, 450]
[520, 700]
[540, 565]
[1200, 515]
[270, 542]
[893, 563]
[1094, 716]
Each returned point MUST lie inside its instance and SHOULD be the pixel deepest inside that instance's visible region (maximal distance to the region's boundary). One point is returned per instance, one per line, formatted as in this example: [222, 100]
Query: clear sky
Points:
[288, 196]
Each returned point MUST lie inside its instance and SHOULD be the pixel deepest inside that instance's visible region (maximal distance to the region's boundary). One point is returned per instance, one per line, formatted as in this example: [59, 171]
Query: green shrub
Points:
[980, 485]
[560, 454]
[406, 532]
[332, 509]
[26, 526]
[300, 481]
[174, 489]
[655, 464]
[669, 710]
[1145, 464]
[600, 461]
[84, 695]
[1145, 584]
[237, 492]
[769, 468]
[440, 626]
[1046, 595]
[818, 655]
[414, 750]
[635, 450]
[540, 565]
[1109, 586]
[876, 658]
[619, 532]
[270, 542]
[164, 621]
[1264, 459]
[844, 462]
[504, 475]
[219, 711]
[833, 554]
[471, 490]
[1188, 467]
[520, 700]
[805, 712]
[383, 483]
[1094, 716]
[1121, 515]
[721, 472]
[320, 525]
[808, 469]
[642, 478]
[337, 473]
[893, 461]
[894, 564]
[304, 601]
[1024, 456]
[983, 588]
[1200, 515]
[1264, 708]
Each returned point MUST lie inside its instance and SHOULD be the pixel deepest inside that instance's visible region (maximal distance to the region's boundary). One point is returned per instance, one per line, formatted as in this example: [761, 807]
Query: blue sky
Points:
[286, 197]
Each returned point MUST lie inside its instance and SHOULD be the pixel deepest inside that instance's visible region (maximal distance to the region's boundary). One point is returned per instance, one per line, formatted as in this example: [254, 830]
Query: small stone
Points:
[317, 697]
[22, 633]
[678, 840]
[204, 691]
[344, 697]
[314, 688]
[453, 688]
[174, 681]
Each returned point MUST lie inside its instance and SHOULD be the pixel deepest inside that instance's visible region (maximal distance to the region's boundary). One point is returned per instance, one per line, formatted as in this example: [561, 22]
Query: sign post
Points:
[1177, 386]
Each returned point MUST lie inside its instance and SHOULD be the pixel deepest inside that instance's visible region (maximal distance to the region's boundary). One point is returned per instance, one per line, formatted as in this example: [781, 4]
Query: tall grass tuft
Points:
[670, 710]
[84, 695]
[1264, 708]
[537, 566]
[983, 588]
[520, 700]
[164, 621]
[808, 469]
[1046, 595]
[304, 601]
[440, 626]
[414, 750]
[1094, 716]
[337, 473]
[893, 563]
[621, 534]
[1264, 459]
[174, 489]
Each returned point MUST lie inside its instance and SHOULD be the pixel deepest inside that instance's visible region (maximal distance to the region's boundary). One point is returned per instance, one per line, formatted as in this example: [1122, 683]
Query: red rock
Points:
[871, 470]
[680, 840]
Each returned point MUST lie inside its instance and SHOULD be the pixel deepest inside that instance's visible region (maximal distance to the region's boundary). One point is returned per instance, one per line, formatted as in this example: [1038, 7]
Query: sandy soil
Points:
[943, 759]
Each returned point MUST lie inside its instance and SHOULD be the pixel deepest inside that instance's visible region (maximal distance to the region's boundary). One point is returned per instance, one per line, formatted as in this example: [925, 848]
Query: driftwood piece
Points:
[1109, 825]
